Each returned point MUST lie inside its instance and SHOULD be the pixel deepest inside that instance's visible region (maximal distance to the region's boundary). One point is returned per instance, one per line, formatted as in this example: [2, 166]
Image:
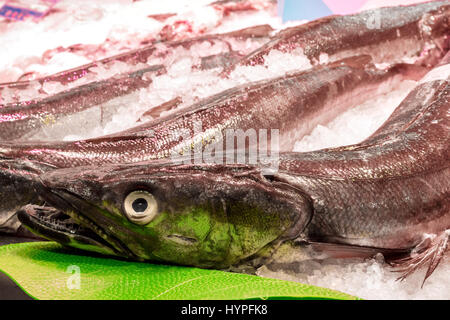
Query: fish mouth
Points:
[68, 226]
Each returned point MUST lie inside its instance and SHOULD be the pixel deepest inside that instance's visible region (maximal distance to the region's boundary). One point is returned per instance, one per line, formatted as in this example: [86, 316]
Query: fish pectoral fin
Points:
[431, 251]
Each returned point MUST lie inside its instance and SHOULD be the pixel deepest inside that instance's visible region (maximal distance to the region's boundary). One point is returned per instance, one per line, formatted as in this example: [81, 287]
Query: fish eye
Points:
[140, 207]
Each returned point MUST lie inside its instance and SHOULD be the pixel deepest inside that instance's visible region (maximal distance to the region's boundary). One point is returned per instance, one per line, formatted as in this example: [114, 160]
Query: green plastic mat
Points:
[45, 270]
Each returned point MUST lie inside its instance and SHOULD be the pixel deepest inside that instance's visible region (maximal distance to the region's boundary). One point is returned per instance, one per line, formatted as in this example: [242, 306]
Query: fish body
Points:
[18, 181]
[390, 192]
[98, 100]
[389, 35]
[22, 120]
[284, 228]
[416, 33]
[387, 193]
[293, 104]
[401, 173]
[143, 55]
[172, 27]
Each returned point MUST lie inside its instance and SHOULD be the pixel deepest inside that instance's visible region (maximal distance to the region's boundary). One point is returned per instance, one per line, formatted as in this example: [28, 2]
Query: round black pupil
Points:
[140, 205]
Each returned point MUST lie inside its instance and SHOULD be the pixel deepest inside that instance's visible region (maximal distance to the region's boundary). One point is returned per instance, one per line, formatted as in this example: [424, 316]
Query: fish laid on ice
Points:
[294, 104]
[110, 39]
[406, 34]
[389, 193]
[80, 90]
[389, 35]
[18, 121]
[144, 54]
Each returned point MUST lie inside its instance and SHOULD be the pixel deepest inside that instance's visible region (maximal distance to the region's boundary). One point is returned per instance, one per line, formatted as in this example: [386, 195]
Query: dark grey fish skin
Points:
[413, 32]
[391, 191]
[388, 193]
[389, 35]
[210, 216]
[18, 180]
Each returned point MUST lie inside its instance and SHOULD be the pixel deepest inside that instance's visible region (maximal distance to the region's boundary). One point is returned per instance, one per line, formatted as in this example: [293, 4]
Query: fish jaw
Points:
[36, 219]
[18, 181]
[208, 216]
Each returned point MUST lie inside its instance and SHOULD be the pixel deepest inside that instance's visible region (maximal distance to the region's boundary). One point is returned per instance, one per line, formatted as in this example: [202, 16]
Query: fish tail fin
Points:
[431, 251]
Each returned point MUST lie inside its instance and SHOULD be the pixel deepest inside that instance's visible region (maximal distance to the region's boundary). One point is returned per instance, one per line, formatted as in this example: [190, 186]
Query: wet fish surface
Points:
[23, 120]
[389, 193]
[19, 121]
[141, 55]
[418, 32]
[309, 98]
[389, 35]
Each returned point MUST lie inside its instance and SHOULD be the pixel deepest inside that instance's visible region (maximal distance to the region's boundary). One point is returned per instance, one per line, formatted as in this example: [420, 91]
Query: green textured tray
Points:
[42, 269]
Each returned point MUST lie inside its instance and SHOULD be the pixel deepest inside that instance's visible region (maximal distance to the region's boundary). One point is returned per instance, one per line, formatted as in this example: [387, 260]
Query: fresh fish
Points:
[421, 33]
[143, 55]
[316, 99]
[389, 35]
[18, 179]
[394, 187]
[24, 120]
[294, 104]
[178, 26]
[308, 99]
[389, 193]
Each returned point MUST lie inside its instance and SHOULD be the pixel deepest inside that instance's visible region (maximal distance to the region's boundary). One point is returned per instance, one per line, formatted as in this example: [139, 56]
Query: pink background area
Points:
[344, 6]
[351, 6]
[387, 3]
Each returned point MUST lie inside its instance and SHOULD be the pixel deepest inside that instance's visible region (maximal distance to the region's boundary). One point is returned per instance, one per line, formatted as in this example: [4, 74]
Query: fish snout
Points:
[68, 181]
